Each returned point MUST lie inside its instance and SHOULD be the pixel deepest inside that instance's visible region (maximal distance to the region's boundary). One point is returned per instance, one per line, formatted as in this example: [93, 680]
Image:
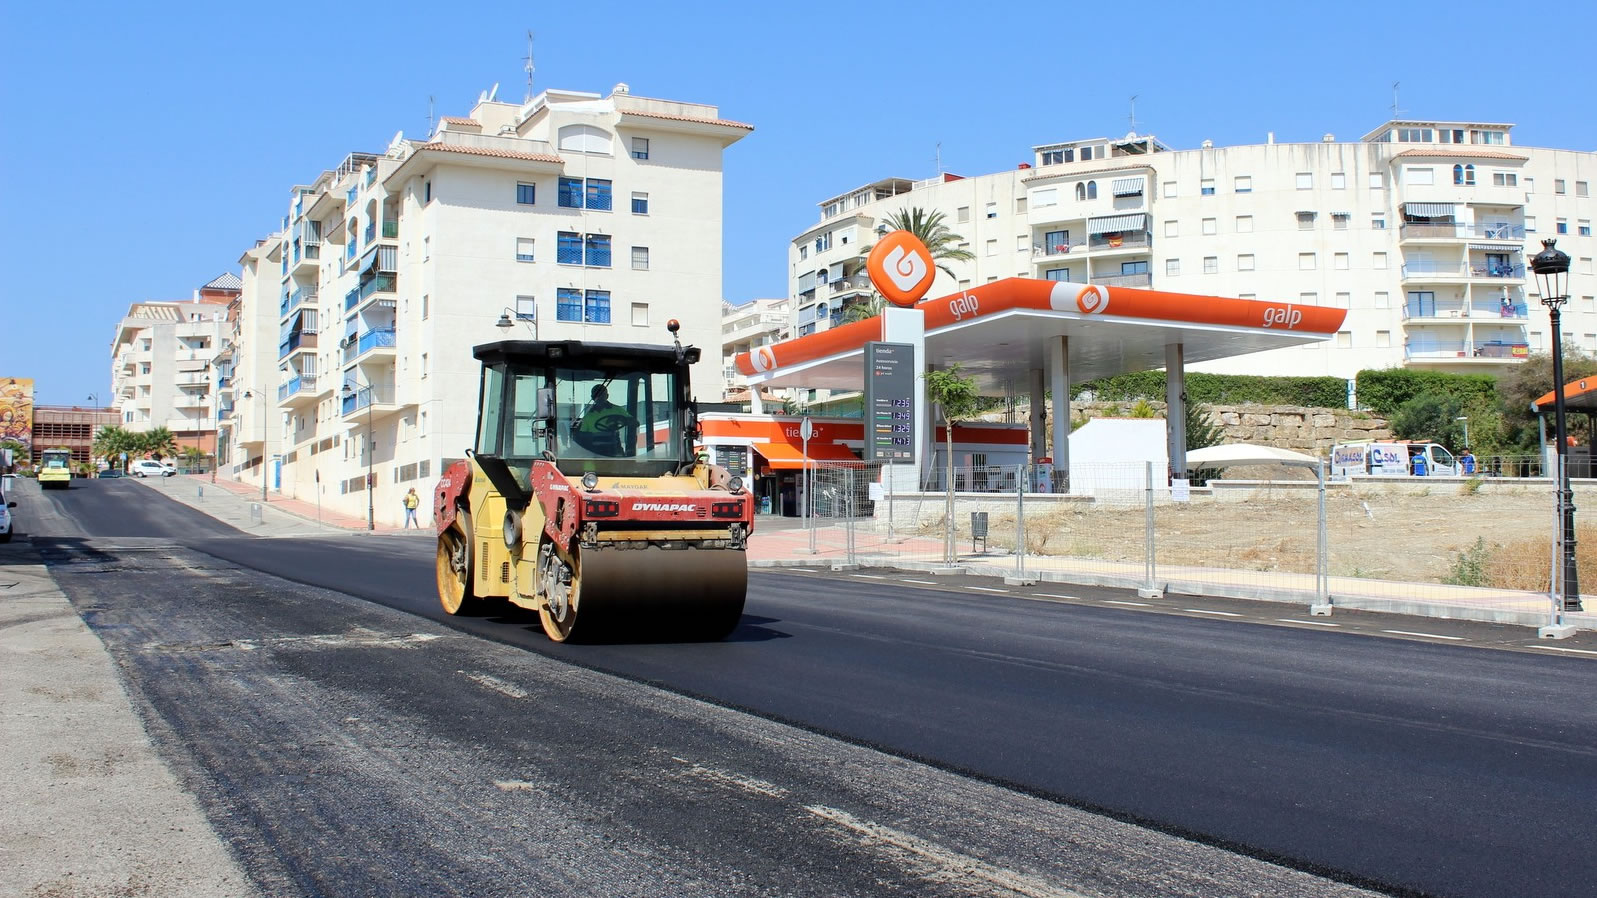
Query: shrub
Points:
[1469, 566]
[1386, 389]
[1222, 389]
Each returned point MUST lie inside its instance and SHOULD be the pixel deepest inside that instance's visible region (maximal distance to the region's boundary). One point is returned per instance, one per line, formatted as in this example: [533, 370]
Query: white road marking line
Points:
[1426, 635]
[921, 582]
[1207, 611]
[1317, 623]
[514, 786]
[734, 780]
[491, 682]
[950, 866]
[1119, 602]
[986, 589]
[1050, 595]
[1559, 648]
[868, 576]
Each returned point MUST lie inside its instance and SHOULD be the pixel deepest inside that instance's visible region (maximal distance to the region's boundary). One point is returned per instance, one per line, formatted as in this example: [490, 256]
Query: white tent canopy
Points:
[1229, 454]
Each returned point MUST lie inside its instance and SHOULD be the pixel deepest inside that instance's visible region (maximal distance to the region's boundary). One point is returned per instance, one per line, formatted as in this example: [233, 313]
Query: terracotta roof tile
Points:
[1476, 154]
[458, 120]
[485, 151]
[688, 118]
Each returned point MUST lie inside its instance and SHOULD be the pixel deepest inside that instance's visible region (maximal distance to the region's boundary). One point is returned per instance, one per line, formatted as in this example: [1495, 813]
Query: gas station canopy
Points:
[1000, 333]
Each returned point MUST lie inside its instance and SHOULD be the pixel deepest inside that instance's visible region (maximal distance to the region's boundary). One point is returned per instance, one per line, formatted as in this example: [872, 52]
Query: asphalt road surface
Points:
[467, 756]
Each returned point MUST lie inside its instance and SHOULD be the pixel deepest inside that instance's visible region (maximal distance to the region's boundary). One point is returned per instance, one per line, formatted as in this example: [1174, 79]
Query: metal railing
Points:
[303, 383]
[1486, 349]
[373, 339]
[375, 395]
[1140, 279]
[386, 283]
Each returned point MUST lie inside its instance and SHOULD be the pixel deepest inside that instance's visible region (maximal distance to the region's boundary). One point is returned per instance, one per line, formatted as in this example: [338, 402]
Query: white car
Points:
[149, 467]
[5, 519]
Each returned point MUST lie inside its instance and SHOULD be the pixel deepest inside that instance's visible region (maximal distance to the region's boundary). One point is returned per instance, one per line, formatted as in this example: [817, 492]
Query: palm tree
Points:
[158, 443]
[861, 309]
[929, 227]
[110, 442]
[192, 456]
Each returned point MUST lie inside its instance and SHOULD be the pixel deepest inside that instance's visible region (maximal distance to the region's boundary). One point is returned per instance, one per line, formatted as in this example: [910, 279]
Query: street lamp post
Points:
[1552, 275]
[250, 394]
[371, 448]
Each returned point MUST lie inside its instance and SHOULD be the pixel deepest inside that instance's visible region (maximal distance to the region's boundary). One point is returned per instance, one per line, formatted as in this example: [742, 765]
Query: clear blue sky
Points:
[146, 146]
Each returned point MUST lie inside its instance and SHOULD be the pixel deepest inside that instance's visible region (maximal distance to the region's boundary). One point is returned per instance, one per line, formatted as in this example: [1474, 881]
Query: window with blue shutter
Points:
[598, 307]
[568, 250]
[598, 250]
[568, 304]
[599, 194]
[571, 193]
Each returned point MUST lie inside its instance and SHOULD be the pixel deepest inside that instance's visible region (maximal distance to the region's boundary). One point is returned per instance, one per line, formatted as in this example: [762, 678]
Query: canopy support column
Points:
[1175, 393]
[1039, 415]
[1059, 386]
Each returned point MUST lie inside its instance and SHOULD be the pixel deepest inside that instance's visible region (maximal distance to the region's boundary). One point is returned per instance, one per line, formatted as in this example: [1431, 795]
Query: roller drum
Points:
[656, 594]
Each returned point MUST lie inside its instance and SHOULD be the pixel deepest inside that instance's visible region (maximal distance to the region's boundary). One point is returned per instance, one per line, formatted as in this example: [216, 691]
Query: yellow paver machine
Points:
[584, 500]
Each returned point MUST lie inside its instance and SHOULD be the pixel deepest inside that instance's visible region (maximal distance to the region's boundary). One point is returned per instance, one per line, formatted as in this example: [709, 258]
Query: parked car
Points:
[109, 472]
[5, 519]
[149, 467]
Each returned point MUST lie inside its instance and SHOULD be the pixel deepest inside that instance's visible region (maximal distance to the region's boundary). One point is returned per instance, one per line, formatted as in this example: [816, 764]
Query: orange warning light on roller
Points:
[901, 268]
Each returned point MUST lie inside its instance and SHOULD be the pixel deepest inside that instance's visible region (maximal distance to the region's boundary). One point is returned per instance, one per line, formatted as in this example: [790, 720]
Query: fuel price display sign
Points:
[890, 402]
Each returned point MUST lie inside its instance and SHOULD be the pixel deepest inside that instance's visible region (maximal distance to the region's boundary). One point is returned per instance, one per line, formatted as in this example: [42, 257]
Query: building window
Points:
[598, 194]
[596, 307]
[1309, 299]
[1086, 153]
[1170, 228]
[426, 305]
[1244, 224]
[1344, 300]
[568, 304]
[1056, 274]
[1339, 262]
[1504, 179]
[1421, 177]
[1211, 264]
[640, 314]
[524, 249]
[1383, 300]
[1206, 187]
[526, 308]
[568, 248]
[1211, 226]
[1562, 227]
[804, 252]
[640, 147]
[1339, 220]
[1172, 267]
[962, 214]
[1243, 184]
[1558, 186]
[570, 193]
[1378, 261]
[1245, 262]
[596, 251]
[1383, 339]
[526, 194]
[640, 203]
[992, 210]
[1092, 189]
[1020, 204]
[1583, 228]
[1581, 189]
[1169, 189]
[1133, 267]
[1305, 180]
[426, 192]
[1530, 224]
[1464, 175]
[1414, 135]
[640, 258]
[1377, 181]
[424, 366]
[1306, 261]
[1344, 339]
[1305, 221]
[1054, 157]
[1378, 222]
[1338, 181]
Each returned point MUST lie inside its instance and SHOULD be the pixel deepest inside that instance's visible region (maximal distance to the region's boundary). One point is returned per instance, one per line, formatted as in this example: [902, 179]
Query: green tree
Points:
[1430, 416]
[19, 452]
[1524, 384]
[931, 229]
[867, 307]
[957, 400]
[111, 441]
[158, 443]
[192, 457]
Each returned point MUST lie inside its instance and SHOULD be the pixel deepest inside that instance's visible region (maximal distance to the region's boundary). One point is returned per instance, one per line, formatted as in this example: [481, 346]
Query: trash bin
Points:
[978, 529]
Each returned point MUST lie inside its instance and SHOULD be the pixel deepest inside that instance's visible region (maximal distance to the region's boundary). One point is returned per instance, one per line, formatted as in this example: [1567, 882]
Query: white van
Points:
[1392, 459]
[149, 467]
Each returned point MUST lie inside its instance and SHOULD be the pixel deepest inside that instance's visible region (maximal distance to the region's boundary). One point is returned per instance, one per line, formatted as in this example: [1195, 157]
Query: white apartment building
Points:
[743, 328]
[1419, 229]
[160, 364]
[575, 215]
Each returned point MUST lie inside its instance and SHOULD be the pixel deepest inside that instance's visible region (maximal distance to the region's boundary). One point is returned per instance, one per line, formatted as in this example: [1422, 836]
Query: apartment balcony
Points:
[191, 400]
[1124, 243]
[382, 286]
[378, 341]
[224, 412]
[859, 283]
[351, 299]
[192, 379]
[1464, 351]
[299, 341]
[1140, 279]
[1417, 231]
[1053, 252]
[379, 396]
[301, 390]
[1464, 312]
[306, 257]
[304, 296]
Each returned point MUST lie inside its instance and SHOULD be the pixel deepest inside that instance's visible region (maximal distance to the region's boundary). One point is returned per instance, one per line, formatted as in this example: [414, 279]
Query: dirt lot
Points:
[1439, 532]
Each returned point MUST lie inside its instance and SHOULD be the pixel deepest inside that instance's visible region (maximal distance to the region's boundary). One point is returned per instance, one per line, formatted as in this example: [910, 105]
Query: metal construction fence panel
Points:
[1480, 545]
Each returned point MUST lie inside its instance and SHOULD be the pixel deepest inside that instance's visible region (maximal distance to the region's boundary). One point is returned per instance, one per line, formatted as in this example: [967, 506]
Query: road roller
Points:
[584, 498]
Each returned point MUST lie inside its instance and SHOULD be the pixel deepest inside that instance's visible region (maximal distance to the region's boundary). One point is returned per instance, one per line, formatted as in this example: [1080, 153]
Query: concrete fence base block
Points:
[804, 551]
[1149, 592]
[1320, 610]
[1016, 580]
[1556, 631]
[844, 566]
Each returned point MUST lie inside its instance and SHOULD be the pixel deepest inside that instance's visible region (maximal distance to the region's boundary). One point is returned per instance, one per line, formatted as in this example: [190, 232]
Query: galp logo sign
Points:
[901, 268]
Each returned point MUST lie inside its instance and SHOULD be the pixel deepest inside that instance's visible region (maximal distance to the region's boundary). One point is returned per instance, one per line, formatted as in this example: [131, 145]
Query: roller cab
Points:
[583, 498]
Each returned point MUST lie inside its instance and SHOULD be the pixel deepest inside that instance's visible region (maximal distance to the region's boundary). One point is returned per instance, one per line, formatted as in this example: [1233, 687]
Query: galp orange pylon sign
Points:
[901, 268]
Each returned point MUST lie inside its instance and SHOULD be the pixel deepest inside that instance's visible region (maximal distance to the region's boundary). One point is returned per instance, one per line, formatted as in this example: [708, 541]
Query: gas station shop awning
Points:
[787, 457]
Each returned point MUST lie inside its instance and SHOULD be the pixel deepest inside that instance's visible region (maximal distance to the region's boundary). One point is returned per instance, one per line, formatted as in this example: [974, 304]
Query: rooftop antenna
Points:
[429, 116]
[529, 67]
[1133, 116]
[939, 158]
[1396, 112]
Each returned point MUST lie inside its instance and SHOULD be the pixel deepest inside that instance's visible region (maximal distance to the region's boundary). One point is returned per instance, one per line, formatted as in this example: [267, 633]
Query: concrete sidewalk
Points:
[90, 808]
[239, 505]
